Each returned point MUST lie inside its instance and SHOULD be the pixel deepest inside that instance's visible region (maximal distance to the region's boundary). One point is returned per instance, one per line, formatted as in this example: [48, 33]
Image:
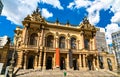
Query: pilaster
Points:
[84, 62]
[67, 62]
[82, 40]
[56, 42]
[25, 60]
[44, 61]
[35, 62]
[68, 43]
[94, 43]
[80, 62]
[20, 59]
[39, 62]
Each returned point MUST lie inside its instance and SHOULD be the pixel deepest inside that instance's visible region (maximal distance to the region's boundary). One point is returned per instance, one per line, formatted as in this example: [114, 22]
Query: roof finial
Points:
[85, 20]
[57, 21]
[37, 10]
[68, 22]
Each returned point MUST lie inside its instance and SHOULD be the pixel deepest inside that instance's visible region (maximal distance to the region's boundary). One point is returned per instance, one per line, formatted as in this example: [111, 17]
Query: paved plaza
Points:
[57, 73]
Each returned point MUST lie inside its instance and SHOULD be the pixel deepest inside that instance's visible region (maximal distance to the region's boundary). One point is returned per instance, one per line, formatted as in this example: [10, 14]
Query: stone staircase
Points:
[58, 73]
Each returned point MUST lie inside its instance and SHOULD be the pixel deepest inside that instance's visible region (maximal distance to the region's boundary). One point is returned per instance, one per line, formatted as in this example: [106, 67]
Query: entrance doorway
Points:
[90, 61]
[31, 62]
[49, 63]
[75, 66]
[62, 63]
[90, 64]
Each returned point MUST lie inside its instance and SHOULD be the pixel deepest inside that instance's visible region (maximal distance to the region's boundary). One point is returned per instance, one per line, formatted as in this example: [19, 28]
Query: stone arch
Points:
[74, 36]
[49, 33]
[62, 35]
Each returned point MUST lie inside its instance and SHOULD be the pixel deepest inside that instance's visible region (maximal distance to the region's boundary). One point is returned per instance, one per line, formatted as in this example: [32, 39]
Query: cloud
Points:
[116, 18]
[115, 7]
[70, 6]
[94, 18]
[46, 14]
[79, 4]
[54, 3]
[110, 28]
[94, 7]
[17, 10]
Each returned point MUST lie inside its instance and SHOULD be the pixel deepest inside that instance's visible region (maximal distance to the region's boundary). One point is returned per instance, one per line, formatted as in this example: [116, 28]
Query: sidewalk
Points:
[2, 75]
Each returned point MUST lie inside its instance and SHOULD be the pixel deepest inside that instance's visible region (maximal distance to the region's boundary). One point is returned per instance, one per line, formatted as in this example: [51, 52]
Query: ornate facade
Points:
[4, 49]
[44, 45]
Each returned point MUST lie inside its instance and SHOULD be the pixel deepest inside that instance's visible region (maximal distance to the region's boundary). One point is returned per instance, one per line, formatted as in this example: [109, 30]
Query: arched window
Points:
[49, 41]
[33, 39]
[86, 43]
[109, 64]
[62, 42]
[73, 43]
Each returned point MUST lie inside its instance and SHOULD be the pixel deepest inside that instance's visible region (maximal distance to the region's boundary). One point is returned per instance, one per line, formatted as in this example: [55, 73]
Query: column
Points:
[67, 62]
[66, 46]
[56, 42]
[35, 62]
[57, 58]
[90, 44]
[80, 64]
[43, 40]
[26, 37]
[24, 34]
[39, 62]
[97, 63]
[78, 44]
[20, 59]
[94, 66]
[68, 43]
[44, 61]
[82, 41]
[25, 60]
[41, 37]
[38, 42]
[84, 64]
[54, 63]
[94, 43]
[105, 62]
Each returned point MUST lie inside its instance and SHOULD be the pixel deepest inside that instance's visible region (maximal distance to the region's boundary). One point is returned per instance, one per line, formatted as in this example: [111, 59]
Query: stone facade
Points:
[44, 45]
[4, 49]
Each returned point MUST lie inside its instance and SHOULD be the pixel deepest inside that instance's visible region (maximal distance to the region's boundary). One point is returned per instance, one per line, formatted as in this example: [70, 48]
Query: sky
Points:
[101, 13]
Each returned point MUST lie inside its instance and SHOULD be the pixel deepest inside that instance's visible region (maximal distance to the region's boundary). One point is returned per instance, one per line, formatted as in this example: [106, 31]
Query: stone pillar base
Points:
[39, 67]
[43, 68]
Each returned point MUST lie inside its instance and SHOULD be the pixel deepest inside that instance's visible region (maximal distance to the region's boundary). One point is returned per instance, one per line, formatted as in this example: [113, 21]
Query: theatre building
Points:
[45, 45]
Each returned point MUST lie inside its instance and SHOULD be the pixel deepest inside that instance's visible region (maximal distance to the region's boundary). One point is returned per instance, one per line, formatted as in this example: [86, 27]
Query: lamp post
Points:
[118, 66]
[11, 67]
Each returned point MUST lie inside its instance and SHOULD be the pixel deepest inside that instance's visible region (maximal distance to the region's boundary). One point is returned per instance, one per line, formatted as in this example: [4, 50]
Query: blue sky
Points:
[101, 13]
